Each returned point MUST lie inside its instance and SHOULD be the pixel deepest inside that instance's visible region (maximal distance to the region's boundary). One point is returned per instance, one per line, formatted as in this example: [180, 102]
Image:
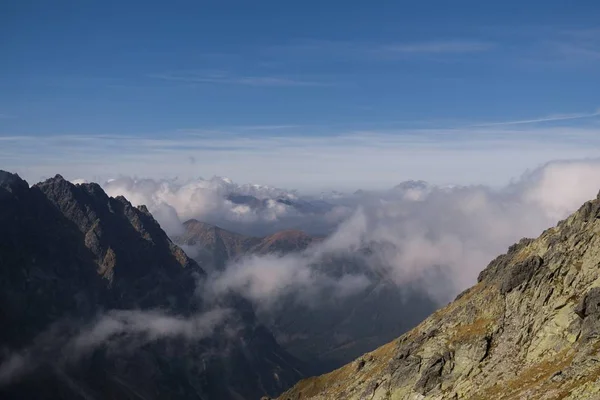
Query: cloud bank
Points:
[438, 238]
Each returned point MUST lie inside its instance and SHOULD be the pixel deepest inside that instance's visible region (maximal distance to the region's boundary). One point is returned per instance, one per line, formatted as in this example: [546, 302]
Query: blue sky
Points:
[344, 94]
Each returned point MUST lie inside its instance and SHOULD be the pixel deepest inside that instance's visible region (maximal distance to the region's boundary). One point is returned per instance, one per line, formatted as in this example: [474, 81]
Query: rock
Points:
[588, 310]
[432, 374]
[520, 273]
[589, 304]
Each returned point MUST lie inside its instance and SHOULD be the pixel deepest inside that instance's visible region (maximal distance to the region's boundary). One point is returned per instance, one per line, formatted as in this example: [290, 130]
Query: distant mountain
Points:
[338, 330]
[72, 257]
[214, 246]
[529, 329]
[217, 246]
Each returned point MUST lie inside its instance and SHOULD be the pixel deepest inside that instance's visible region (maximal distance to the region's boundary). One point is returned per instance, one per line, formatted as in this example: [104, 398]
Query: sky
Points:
[307, 95]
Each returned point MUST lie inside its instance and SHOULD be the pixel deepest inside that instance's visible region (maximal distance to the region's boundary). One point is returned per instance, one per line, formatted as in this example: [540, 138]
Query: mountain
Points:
[529, 329]
[217, 246]
[97, 302]
[339, 329]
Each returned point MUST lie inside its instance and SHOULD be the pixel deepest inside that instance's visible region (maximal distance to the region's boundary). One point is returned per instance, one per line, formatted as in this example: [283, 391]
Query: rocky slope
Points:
[78, 266]
[529, 329]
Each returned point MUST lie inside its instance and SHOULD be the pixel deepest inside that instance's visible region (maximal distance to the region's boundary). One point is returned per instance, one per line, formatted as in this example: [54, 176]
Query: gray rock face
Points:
[520, 273]
[588, 310]
[528, 330]
[431, 377]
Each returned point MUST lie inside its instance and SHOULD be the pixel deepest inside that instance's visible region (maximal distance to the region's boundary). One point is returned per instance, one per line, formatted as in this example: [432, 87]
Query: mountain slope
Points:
[529, 329]
[97, 302]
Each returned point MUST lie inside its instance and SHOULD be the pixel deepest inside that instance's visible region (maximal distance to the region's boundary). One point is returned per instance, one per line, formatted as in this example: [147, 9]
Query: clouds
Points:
[117, 330]
[251, 209]
[437, 238]
[146, 326]
[452, 233]
[266, 280]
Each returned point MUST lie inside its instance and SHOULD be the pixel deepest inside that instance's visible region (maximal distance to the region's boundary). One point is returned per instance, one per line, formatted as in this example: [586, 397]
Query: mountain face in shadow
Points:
[97, 302]
[529, 329]
[335, 330]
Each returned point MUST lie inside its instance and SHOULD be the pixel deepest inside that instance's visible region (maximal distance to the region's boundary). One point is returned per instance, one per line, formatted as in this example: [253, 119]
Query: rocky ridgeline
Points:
[529, 329]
